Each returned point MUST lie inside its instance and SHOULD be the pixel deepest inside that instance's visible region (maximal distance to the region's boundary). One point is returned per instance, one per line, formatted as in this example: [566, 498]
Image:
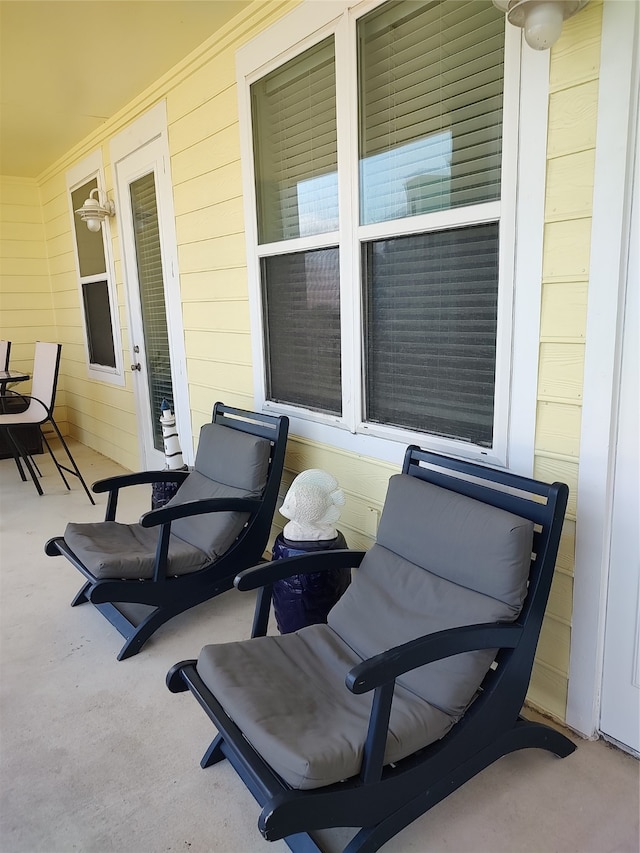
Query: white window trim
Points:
[516, 389]
[81, 173]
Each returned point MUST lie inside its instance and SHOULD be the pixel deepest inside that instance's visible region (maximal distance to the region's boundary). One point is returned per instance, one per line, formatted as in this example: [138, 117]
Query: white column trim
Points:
[609, 242]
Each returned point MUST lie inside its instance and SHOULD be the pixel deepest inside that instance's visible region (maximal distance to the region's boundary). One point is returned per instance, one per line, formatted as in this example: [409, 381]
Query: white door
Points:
[620, 705]
[148, 247]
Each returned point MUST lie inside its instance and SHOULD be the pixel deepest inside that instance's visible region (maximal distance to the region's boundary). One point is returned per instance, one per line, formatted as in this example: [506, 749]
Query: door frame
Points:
[620, 702]
[610, 237]
[151, 127]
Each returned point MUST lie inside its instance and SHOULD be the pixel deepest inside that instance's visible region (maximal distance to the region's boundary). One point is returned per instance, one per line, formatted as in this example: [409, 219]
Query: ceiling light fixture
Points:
[94, 211]
[541, 20]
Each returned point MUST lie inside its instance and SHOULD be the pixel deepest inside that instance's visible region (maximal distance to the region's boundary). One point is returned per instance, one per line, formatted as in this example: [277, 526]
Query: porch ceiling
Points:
[66, 66]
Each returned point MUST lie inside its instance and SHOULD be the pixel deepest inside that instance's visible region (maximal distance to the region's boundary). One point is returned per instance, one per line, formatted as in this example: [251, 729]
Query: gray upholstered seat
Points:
[441, 560]
[229, 464]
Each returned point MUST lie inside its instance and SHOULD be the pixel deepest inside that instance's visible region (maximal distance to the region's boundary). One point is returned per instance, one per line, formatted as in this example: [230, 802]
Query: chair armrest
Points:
[387, 666]
[167, 514]
[121, 481]
[301, 564]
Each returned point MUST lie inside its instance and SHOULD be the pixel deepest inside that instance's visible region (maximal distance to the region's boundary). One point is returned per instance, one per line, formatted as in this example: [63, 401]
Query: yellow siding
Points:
[26, 309]
[575, 62]
[40, 287]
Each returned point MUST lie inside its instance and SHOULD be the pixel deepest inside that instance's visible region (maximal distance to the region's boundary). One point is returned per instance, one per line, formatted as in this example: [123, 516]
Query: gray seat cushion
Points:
[229, 464]
[112, 550]
[310, 730]
[442, 560]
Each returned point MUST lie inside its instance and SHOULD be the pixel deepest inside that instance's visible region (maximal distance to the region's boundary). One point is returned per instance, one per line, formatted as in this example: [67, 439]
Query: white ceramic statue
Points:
[172, 451]
[312, 505]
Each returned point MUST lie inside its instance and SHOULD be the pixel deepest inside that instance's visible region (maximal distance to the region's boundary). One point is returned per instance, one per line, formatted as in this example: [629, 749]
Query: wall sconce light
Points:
[541, 19]
[94, 211]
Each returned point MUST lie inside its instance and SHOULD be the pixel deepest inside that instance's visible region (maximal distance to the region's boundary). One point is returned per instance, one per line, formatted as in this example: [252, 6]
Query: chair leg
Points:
[16, 456]
[55, 461]
[75, 471]
[302, 843]
[144, 630]
[19, 453]
[214, 754]
[35, 465]
[23, 476]
[81, 596]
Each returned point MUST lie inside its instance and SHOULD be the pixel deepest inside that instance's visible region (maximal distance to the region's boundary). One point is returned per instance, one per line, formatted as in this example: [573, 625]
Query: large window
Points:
[385, 284]
[95, 279]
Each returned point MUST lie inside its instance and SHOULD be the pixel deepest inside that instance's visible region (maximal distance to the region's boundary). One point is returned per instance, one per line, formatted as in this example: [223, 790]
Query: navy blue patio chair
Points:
[190, 550]
[418, 680]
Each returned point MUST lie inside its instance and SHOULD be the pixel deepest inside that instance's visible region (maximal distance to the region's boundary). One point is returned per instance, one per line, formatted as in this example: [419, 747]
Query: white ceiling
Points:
[68, 65]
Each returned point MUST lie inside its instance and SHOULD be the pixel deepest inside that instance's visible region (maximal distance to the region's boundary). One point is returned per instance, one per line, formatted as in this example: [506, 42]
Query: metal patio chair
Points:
[39, 411]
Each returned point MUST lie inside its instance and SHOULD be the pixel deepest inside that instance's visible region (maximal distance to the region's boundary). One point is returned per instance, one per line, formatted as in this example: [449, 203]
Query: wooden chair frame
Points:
[137, 608]
[382, 800]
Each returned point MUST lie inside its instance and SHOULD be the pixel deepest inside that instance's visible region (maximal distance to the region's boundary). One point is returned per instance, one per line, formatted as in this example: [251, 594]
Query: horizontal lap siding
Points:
[575, 62]
[26, 307]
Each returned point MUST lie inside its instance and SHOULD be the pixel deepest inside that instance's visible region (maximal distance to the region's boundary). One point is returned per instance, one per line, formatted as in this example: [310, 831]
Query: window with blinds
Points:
[295, 147]
[427, 176]
[430, 331]
[430, 131]
[302, 299]
[430, 82]
[152, 303]
[94, 284]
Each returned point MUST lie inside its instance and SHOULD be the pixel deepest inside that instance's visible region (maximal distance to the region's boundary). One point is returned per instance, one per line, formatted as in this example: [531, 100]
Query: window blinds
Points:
[431, 82]
[152, 304]
[295, 147]
[430, 336]
[302, 321]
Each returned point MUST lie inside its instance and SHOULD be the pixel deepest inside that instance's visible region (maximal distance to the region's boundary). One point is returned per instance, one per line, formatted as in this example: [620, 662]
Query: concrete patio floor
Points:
[97, 756]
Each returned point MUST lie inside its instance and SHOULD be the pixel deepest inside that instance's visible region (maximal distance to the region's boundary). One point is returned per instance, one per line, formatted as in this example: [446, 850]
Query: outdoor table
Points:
[7, 376]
